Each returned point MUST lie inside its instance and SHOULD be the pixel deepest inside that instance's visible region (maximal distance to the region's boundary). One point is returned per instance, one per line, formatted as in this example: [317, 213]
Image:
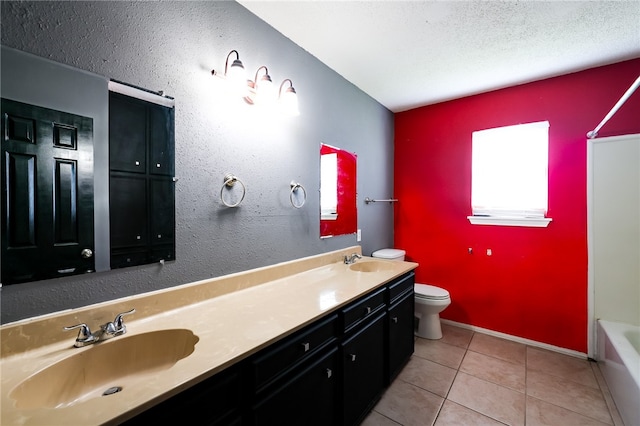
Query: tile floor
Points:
[470, 378]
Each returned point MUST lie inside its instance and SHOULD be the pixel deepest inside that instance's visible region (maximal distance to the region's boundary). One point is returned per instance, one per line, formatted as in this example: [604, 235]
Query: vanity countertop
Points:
[233, 316]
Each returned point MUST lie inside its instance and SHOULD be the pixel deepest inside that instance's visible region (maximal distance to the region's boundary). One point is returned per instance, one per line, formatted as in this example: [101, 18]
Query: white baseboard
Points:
[516, 339]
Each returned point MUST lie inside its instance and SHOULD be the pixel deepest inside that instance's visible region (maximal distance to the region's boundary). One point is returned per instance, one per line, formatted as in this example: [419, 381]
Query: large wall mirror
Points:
[77, 150]
[338, 208]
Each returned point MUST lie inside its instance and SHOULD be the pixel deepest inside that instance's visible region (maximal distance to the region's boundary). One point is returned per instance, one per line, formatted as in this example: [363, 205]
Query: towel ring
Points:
[229, 181]
[294, 188]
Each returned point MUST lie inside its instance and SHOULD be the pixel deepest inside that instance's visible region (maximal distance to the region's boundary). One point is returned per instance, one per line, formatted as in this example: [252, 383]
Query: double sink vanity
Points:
[309, 341]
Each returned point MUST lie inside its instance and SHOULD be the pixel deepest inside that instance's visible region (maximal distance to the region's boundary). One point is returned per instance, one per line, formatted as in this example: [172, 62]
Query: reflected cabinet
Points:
[141, 181]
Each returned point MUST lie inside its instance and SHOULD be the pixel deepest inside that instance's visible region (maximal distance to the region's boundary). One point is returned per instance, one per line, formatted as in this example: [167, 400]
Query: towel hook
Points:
[229, 181]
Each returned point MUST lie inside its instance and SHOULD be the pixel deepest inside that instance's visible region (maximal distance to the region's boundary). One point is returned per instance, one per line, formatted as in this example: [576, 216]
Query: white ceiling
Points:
[407, 54]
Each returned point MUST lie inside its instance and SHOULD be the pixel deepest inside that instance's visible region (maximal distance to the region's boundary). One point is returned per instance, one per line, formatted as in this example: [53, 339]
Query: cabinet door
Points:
[214, 402]
[309, 398]
[128, 215]
[363, 370]
[401, 339]
[161, 137]
[127, 134]
[162, 211]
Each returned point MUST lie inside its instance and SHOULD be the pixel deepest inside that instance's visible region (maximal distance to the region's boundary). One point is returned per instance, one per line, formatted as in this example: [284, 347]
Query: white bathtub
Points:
[619, 357]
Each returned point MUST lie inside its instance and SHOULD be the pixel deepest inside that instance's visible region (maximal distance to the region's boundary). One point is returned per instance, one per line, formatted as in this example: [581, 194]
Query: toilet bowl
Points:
[429, 302]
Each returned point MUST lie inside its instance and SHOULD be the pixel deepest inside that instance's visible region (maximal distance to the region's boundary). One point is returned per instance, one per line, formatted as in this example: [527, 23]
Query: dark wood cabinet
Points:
[331, 372]
[363, 361]
[309, 398]
[277, 360]
[216, 401]
[142, 188]
[400, 345]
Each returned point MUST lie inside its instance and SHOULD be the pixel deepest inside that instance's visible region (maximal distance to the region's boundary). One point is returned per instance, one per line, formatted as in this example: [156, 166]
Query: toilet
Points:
[429, 301]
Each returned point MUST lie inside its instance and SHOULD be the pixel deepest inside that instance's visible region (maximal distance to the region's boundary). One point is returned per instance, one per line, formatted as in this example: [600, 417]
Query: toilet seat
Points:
[431, 292]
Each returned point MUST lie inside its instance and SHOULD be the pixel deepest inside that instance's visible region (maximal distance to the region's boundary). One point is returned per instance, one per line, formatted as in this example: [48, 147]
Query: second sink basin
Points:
[104, 368]
[371, 266]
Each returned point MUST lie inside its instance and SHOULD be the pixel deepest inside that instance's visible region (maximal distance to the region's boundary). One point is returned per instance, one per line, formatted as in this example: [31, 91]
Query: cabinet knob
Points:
[329, 373]
[353, 357]
[306, 346]
[368, 310]
[86, 253]
[395, 320]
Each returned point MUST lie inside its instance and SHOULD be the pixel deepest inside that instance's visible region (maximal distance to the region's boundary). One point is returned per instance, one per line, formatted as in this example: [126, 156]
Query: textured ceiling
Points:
[407, 54]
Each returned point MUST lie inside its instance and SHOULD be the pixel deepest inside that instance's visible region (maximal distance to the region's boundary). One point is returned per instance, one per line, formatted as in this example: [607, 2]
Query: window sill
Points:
[535, 222]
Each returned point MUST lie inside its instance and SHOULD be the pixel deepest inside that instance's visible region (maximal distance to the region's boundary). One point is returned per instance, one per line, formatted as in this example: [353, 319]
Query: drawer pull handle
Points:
[305, 346]
[395, 320]
[329, 373]
[368, 309]
[353, 357]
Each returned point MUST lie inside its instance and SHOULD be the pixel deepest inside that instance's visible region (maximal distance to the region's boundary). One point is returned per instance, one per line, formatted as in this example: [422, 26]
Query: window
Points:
[509, 175]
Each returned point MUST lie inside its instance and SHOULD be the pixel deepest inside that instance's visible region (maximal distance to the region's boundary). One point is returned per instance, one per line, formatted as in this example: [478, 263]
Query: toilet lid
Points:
[427, 291]
[388, 253]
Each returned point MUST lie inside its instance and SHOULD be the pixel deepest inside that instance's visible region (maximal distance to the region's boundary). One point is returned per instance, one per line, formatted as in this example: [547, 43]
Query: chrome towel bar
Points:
[389, 200]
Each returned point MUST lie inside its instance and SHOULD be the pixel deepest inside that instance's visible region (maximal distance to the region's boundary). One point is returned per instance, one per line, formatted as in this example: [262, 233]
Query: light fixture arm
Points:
[266, 73]
[226, 63]
[290, 88]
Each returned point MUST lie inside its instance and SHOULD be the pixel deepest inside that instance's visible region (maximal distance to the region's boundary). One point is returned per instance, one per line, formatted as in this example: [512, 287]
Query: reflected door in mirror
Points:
[47, 202]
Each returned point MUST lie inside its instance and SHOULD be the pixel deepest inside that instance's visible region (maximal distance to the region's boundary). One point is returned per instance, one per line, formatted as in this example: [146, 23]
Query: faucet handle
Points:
[85, 337]
[118, 322]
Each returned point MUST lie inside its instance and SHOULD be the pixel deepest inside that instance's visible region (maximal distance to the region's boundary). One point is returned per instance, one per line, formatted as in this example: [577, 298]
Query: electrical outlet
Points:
[489, 252]
[359, 235]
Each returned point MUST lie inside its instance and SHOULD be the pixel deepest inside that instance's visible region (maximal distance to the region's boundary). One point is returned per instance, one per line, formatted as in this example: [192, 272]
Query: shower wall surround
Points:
[172, 46]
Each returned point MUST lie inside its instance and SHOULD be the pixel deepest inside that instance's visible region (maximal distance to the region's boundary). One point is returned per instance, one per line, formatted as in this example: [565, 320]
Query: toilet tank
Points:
[389, 254]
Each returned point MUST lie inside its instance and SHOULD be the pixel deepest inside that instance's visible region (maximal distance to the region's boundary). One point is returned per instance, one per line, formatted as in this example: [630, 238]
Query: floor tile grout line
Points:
[386, 417]
[568, 409]
[614, 414]
[526, 381]
[446, 397]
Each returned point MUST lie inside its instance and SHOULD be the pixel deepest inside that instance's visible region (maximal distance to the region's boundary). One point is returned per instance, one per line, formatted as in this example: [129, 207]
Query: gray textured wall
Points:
[172, 46]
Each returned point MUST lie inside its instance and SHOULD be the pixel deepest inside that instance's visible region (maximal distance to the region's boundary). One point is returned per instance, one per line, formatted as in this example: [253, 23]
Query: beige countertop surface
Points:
[232, 316]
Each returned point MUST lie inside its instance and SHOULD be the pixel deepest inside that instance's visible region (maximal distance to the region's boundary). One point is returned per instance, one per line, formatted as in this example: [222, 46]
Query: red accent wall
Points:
[535, 283]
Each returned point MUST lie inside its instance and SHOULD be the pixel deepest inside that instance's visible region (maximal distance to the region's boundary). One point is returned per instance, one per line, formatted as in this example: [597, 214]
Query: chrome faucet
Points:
[348, 260]
[107, 331]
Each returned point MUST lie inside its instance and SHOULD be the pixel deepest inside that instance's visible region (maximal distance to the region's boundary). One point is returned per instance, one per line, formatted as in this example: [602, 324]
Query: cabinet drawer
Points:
[284, 356]
[399, 287]
[366, 307]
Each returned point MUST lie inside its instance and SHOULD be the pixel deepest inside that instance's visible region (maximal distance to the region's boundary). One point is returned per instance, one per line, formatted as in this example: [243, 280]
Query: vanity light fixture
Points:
[234, 74]
[260, 90]
[288, 99]
[263, 91]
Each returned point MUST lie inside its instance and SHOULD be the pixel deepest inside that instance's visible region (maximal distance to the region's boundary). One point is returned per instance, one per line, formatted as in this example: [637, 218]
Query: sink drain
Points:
[112, 390]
